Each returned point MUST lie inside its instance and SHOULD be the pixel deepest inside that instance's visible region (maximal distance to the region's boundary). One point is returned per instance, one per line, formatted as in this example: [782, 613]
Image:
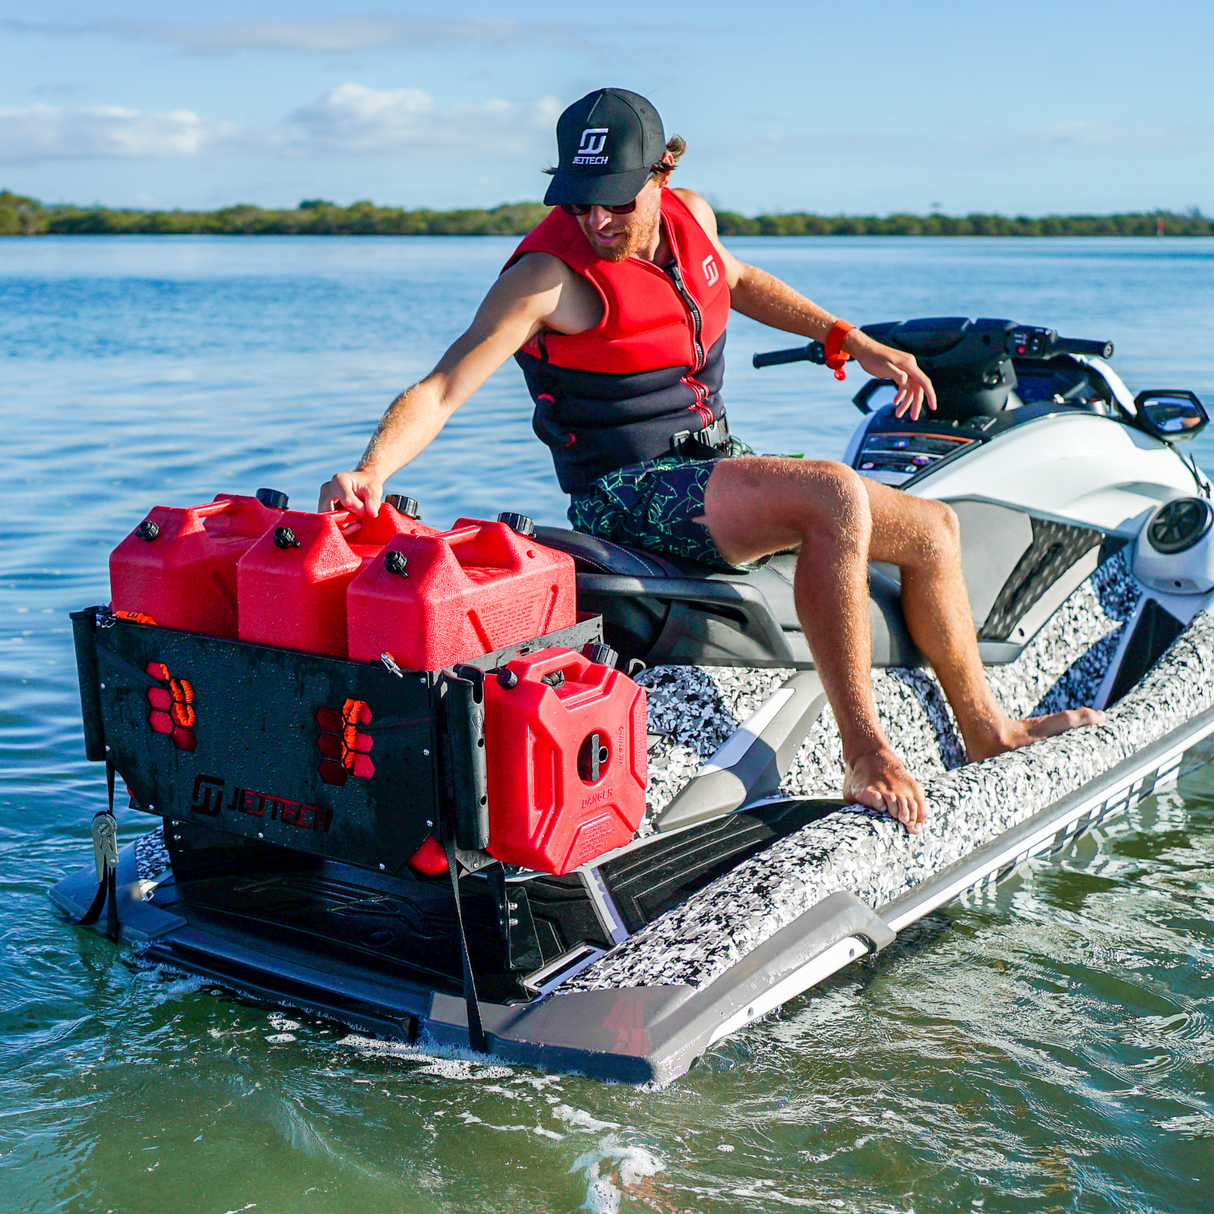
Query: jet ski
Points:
[604, 834]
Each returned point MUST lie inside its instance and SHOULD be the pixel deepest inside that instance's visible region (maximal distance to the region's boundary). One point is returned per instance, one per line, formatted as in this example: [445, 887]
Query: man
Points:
[615, 306]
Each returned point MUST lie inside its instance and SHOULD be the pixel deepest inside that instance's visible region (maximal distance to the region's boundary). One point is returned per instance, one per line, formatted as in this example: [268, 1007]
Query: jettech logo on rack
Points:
[590, 150]
[212, 797]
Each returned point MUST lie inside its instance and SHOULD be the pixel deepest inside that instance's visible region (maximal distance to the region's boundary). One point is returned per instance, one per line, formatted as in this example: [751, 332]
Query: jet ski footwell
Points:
[827, 885]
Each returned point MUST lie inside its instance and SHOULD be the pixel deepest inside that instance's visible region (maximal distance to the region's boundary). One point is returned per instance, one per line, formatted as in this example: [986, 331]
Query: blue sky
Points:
[1031, 107]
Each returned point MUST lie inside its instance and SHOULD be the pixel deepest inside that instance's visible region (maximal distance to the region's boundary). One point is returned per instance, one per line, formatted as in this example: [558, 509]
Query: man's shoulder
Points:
[542, 285]
[698, 207]
[535, 270]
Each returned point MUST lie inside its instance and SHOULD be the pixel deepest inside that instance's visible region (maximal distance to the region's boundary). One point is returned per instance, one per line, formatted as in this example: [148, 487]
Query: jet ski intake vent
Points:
[1179, 525]
[1173, 552]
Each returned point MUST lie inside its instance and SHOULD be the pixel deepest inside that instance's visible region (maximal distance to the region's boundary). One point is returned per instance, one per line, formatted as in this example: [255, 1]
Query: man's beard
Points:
[636, 238]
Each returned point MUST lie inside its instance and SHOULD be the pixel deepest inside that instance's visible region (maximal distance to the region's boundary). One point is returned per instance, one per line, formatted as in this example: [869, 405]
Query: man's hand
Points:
[358, 492]
[884, 362]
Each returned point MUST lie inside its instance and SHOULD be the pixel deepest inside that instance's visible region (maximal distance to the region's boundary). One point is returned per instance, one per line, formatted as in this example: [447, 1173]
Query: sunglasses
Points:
[581, 208]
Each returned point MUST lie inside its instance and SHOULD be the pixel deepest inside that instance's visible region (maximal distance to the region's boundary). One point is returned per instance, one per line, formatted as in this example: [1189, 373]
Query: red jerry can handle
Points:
[553, 661]
[343, 517]
[384, 527]
[221, 505]
[231, 503]
[352, 528]
[188, 518]
[497, 545]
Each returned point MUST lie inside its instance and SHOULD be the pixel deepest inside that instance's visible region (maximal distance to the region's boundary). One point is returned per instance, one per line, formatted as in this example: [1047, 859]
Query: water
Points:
[1048, 1048]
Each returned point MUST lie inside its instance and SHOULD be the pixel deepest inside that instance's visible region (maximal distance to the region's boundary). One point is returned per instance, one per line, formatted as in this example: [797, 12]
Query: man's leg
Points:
[755, 505]
[921, 537]
[841, 521]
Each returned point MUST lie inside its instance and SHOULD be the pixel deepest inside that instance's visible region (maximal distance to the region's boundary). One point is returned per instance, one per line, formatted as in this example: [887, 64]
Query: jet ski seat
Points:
[1018, 569]
[662, 609]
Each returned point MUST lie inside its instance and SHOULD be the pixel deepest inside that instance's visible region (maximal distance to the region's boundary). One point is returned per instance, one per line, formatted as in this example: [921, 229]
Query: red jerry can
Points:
[445, 597]
[293, 581]
[567, 760]
[178, 567]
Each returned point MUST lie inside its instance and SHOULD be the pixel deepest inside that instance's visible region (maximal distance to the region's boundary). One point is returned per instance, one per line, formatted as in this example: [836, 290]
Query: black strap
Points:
[94, 911]
[476, 1030]
[112, 927]
[107, 886]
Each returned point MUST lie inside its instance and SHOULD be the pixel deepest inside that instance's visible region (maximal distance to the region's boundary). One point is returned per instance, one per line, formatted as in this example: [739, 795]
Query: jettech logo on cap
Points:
[594, 139]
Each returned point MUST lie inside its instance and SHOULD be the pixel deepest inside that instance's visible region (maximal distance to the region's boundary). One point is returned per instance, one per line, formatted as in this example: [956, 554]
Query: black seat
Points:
[664, 609]
[1018, 570]
[593, 555]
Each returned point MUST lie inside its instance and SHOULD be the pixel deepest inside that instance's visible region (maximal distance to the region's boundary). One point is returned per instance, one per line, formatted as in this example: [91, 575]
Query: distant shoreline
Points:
[21, 216]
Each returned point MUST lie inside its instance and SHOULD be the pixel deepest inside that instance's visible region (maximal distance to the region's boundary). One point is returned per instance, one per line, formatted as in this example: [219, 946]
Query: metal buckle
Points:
[105, 843]
[707, 443]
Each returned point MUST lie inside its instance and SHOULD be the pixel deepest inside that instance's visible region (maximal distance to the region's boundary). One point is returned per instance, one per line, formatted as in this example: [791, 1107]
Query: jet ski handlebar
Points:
[1081, 345]
[814, 352]
[928, 339]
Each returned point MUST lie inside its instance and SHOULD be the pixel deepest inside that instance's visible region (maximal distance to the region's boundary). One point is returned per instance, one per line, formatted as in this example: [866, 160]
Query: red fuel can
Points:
[567, 760]
[444, 597]
[178, 567]
[292, 583]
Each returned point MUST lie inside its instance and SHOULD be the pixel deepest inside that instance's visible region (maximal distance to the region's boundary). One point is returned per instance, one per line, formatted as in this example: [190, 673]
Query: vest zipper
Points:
[676, 276]
[697, 321]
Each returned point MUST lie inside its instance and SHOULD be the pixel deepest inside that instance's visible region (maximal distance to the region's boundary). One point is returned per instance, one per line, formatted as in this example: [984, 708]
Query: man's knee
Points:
[940, 519]
[834, 497]
[832, 514]
[938, 529]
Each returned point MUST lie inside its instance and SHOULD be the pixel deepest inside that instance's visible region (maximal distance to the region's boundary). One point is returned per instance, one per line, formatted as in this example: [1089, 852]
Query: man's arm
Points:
[765, 298]
[528, 297]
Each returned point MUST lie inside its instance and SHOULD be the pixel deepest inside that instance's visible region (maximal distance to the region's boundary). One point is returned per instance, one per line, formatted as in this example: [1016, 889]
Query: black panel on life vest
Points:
[594, 422]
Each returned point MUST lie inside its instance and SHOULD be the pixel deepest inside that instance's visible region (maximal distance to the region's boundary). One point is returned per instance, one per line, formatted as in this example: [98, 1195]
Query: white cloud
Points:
[45, 132]
[354, 120]
[351, 120]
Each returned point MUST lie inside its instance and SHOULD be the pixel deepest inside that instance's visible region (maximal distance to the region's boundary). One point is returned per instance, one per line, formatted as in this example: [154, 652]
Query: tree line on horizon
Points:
[21, 216]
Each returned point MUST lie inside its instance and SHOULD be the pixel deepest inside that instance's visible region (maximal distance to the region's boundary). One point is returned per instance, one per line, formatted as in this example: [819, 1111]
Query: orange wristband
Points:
[835, 358]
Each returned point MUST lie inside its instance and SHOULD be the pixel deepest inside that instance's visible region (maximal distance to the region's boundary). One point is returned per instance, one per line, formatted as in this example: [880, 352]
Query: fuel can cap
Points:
[404, 505]
[517, 522]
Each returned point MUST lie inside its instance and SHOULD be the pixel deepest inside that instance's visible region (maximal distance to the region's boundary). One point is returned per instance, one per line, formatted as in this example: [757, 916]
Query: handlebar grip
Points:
[773, 358]
[812, 352]
[1081, 345]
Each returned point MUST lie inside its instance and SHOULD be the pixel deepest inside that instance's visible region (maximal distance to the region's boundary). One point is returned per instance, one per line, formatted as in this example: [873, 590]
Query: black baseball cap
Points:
[607, 144]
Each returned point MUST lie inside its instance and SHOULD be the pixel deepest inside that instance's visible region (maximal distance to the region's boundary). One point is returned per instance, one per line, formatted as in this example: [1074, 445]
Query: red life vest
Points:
[650, 371]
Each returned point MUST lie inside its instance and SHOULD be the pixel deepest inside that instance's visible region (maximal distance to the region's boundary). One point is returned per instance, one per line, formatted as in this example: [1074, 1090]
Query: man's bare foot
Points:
[879, 781]
[1012, 735]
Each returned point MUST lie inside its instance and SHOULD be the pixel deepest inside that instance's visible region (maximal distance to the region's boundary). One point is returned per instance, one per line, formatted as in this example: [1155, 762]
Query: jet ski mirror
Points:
[1171, 414]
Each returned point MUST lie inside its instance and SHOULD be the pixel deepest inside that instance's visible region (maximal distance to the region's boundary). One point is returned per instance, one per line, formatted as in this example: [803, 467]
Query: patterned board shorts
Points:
[653, 506]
